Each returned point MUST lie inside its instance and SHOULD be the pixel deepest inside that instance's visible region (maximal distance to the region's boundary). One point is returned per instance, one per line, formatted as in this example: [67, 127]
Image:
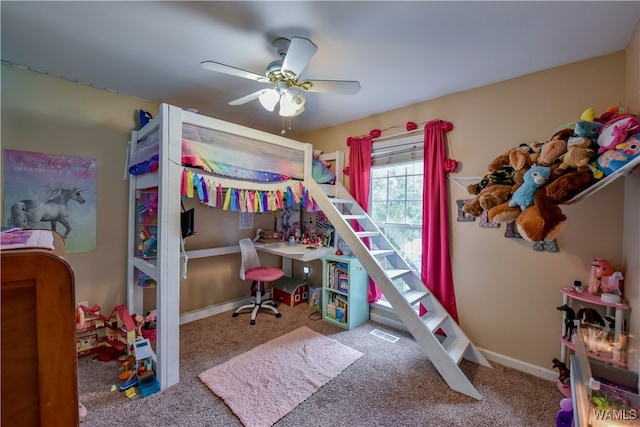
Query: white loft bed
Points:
[167, 132]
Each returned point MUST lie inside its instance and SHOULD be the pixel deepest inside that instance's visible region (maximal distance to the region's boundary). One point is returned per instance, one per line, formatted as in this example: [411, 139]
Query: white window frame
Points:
[396, 152]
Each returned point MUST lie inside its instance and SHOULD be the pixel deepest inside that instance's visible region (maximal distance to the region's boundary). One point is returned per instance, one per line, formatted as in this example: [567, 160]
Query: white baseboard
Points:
[510, 362]
[192, 316]
[519, 365]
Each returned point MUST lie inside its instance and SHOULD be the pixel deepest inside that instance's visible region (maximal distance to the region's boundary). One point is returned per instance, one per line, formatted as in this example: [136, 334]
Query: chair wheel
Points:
[253, 322]
[235, 315]
[278, 315]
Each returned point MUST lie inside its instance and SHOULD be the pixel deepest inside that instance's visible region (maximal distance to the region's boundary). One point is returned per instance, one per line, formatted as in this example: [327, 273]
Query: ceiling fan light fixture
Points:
[269, 98]
[291, 103]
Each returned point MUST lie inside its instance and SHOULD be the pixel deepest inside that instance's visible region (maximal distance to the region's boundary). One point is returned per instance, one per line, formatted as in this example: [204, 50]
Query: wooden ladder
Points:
[435, 331]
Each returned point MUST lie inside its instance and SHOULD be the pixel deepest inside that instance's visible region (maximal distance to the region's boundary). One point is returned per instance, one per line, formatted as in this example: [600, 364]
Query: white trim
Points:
[192, 316]
[519, 365]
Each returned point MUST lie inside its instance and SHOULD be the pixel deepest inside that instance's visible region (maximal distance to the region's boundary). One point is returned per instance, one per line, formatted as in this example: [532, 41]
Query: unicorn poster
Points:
[54, 192]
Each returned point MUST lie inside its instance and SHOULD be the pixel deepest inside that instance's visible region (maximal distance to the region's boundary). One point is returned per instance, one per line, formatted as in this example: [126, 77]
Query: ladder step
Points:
[413, 296]
[395, 273]
[379, 253]
[458, 349]
[340, 201]
[362, 234]
[434, 322]
[404, 306]
[349, 217]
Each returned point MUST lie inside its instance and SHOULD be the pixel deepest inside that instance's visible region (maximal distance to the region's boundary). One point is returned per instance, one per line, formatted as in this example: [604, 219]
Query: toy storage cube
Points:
[290, 291]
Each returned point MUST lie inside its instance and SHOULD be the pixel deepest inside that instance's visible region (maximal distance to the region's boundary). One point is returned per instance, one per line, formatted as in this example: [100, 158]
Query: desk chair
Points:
[250, 269]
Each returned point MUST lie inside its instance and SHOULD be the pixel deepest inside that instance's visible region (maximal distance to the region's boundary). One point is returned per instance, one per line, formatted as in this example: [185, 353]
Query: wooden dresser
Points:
[39, 365]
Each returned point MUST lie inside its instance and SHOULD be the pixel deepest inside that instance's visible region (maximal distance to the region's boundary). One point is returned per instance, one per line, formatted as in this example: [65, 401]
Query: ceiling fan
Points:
[284, 76]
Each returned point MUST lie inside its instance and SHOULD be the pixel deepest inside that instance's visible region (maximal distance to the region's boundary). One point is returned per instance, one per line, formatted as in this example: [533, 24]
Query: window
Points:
[396, 207]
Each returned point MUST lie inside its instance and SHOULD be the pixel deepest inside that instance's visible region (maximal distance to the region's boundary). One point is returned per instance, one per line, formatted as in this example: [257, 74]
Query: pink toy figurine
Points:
[599, 269]
[612, 284]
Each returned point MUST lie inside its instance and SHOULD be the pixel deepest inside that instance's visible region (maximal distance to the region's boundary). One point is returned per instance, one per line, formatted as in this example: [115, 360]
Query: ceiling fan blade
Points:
[344, 87]
[227, 69]
[298, 55]
[248, 98]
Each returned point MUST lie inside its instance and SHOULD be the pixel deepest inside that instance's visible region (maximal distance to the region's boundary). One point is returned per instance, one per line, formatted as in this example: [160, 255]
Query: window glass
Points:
[396, 207]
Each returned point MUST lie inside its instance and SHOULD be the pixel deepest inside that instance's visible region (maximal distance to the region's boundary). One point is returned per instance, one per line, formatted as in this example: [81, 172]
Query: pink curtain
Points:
[436, 263]
[359, 185]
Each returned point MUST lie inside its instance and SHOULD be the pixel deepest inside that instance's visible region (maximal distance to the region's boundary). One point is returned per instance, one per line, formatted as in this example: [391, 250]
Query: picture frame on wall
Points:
[51, 191]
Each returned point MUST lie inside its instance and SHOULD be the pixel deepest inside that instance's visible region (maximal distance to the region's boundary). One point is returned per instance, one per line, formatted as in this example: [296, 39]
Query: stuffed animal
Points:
[578, 154]
[617, 130]
[500, 172]
[610, 113]
[544, 220]
[534, 178]
[553, 149]
[589, 129]
[525, 155]
[561, 190]
[494, 188]
[489, 196]
[612, 160]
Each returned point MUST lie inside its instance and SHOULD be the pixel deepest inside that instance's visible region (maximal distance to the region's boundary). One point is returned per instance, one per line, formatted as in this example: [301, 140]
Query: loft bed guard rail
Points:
[162, 155]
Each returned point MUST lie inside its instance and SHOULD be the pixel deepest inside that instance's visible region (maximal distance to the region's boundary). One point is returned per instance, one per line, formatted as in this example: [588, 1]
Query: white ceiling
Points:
[401, 52]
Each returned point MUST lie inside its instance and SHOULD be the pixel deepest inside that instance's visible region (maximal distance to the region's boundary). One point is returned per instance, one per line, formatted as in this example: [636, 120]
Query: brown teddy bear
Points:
[493, 188]
[489, 196]
[505, 175]
[578, 154]
[544, 220]
[553, 149]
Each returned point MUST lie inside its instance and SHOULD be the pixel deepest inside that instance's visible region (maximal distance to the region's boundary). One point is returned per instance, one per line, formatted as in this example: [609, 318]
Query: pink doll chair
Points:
[250, 269]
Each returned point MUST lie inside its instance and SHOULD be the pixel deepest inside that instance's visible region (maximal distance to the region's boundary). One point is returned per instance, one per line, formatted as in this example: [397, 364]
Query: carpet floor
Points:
[392, 384]
[265, 383]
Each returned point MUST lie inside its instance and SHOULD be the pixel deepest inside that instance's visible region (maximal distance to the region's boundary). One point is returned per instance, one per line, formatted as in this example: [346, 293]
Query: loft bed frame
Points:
[168, 129]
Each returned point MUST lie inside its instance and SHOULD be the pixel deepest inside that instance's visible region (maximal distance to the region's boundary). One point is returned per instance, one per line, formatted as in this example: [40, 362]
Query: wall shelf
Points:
[623, 171]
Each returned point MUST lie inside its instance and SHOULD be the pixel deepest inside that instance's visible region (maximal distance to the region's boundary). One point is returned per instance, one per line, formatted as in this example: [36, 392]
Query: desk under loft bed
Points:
[183, 154]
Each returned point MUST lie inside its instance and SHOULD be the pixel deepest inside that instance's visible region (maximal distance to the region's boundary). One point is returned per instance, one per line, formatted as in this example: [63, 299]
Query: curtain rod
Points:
[395, 135]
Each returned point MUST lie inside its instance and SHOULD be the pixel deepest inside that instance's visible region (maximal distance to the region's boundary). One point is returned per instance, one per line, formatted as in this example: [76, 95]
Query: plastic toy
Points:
[565, 414]
[569, 321]
[148, 246]
[563, 370]
[612, 284]
[599, 269]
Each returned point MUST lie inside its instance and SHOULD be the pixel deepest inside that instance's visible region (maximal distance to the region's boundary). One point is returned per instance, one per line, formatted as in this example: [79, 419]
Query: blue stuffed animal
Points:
[534, 178]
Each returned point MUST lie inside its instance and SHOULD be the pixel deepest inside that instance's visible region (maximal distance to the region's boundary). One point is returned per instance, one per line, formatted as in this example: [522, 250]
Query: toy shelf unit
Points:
[344, 291]
[605, 343]
[147, 233]
[602, 394]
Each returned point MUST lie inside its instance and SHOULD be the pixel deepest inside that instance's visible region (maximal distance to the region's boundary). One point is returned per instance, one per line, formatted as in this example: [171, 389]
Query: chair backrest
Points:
[249, 256]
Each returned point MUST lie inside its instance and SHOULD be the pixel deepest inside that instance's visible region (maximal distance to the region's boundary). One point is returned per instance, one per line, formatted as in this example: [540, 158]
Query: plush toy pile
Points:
[528, 183]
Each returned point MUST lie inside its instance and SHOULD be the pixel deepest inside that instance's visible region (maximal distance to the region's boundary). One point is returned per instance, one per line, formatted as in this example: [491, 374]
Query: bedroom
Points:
[42, 113]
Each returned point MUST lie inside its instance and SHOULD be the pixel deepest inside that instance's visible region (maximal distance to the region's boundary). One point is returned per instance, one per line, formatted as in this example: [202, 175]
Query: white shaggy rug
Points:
[266, 383]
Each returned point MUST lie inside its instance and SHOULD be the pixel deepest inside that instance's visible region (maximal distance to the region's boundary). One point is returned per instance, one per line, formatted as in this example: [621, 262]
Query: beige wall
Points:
[506, 292]
[50, 115]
